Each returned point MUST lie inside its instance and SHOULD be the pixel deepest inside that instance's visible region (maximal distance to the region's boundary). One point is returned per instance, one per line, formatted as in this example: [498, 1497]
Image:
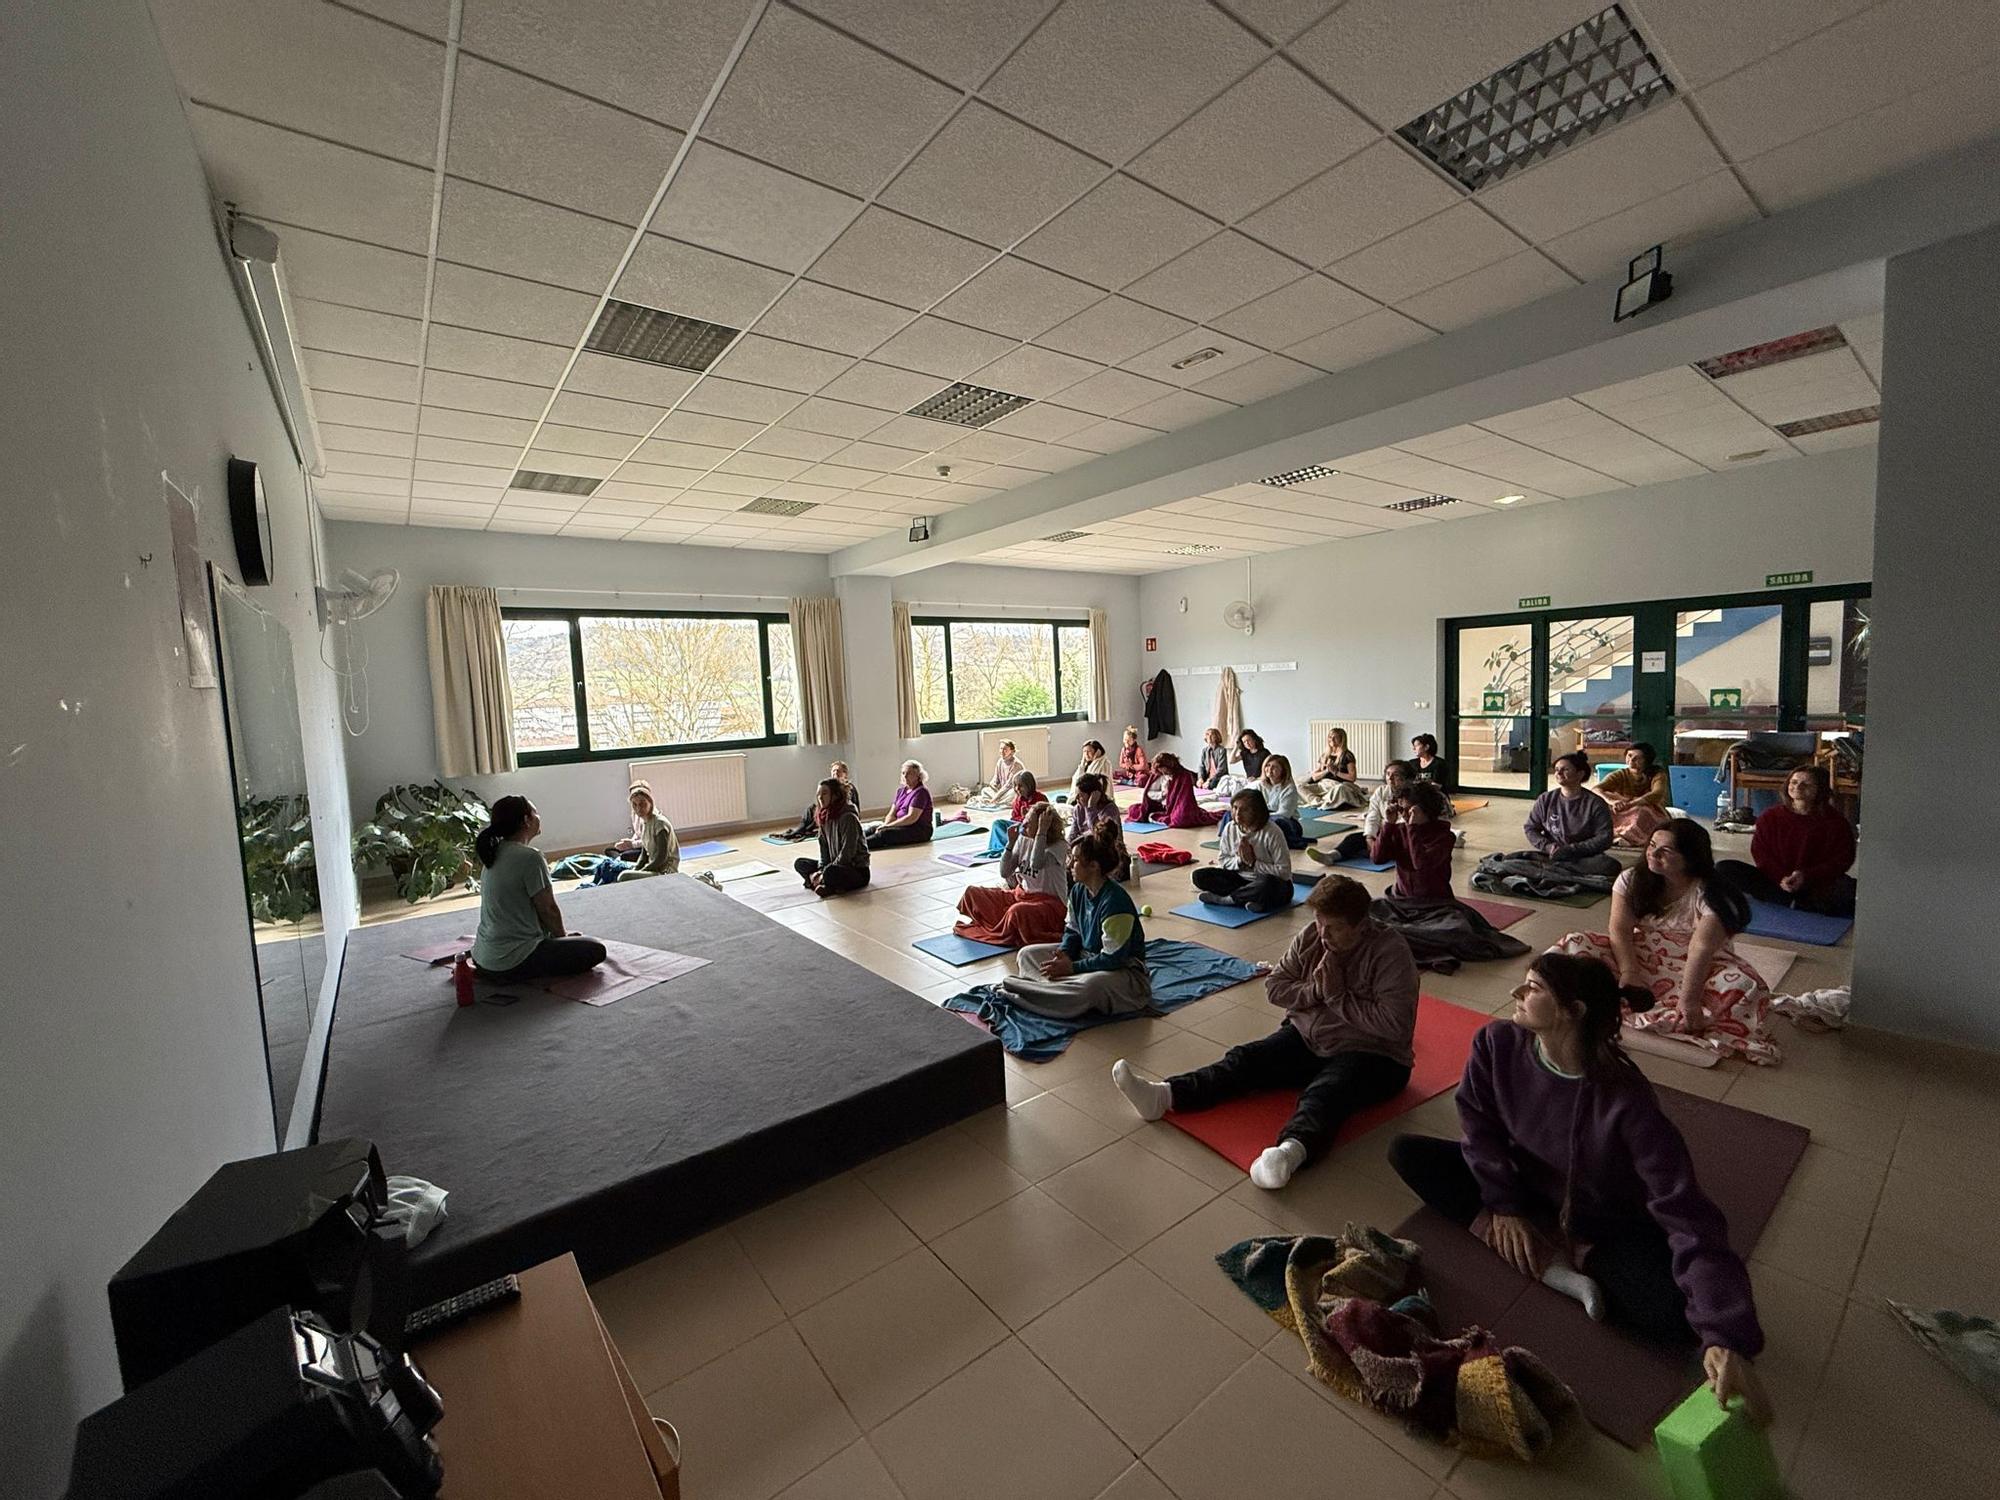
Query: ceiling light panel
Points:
[1564, 92]
[1423, 502]
[1299, 476]
[966, 405]
[1832, 421]
[770, 506]
[555, 484]
[1067, 536]
[1193, 549]
[630, 331]
[1762, 356]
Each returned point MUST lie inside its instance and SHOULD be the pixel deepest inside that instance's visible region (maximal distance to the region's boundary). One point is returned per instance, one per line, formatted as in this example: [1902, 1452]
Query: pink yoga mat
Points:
[627, 969]
[1499, 913]
[433, 953]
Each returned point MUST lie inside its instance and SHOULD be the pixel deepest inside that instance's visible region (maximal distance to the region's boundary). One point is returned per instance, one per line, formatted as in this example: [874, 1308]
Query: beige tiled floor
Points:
[1026, 1304]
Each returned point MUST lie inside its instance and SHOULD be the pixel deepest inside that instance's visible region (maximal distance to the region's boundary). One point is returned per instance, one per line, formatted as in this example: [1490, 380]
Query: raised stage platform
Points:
[615, 1131]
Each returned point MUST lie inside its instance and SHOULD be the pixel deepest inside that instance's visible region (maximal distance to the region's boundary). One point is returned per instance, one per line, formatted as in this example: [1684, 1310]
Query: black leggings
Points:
[1632, 1262]
[553, 958]
[1838, 901]
[1330, 1088]
[918, 832]
[834, 880]
[1234, 888]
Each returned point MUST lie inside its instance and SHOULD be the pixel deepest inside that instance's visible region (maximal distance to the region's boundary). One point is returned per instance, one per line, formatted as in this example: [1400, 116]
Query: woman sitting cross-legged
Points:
[909, 820]
[1425, 764]
[1254, 869]
[1026, 795]
[842, 865]
[1100, 963]
[1090, 763]
[1214, 760]
[1281, 799]
[652, 848]
[1802, 850]
[1169, 797]
[1673, 923]
[1570, 826]
[520, 926]
[1334, 781]
[1029, 904]
[1348, 988]
[1089, 799]
[1638, 796]
[1442, 931]
[808, 823]
[1571, 1171]
[1133, 767]
[1005, 769]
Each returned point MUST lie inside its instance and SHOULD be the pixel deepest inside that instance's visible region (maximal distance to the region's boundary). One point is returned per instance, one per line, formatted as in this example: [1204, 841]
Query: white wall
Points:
[132, 1060]
[1360, 617]
[583, 804]
[1929, 902]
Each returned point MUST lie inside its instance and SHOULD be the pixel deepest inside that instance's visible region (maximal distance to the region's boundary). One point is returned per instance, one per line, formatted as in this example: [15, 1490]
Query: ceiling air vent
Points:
[555, 484]
[1193, 549]
[1806, 426]
[629, 331]
[1299, 476]
[1565, 91]
[1422, 502]
[1067, 536]
[967, 405]
[770, 505]
[1761, 356]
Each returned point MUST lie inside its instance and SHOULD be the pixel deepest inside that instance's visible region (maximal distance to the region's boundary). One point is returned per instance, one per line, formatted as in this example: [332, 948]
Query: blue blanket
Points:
[1181, 973]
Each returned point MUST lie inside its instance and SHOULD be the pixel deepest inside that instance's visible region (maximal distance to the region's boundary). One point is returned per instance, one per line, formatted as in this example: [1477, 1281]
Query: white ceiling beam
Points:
[1813, 265]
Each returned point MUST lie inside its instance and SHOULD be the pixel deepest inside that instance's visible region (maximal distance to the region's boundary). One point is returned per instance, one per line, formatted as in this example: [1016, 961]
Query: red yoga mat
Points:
[1239, 1130]
[1499, 913]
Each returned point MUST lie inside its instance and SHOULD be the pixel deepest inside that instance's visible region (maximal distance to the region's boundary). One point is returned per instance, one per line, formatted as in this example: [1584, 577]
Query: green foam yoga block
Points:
[1714, 1454]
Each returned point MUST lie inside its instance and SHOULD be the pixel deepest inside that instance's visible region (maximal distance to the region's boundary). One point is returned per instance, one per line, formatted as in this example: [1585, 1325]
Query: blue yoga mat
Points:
[1796, 926]
[702, 851]
[1181, 973]
[1223, 916]
[1144, 827]
[957, 830]
[1310, 877]
[1319, 828]
[772, 838]
[967, 861]
[958, 951]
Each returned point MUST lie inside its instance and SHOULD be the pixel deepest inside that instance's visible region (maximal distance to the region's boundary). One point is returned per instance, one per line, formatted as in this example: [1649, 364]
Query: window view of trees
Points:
[538, 672]
[1074, 655]
[927, 645]
[784, 682]
[996, 671]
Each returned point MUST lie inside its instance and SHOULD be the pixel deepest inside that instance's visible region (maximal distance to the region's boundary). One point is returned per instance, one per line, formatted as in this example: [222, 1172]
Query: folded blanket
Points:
[1155, 853]
[1524, 875]
[1356, 1302]
[1444, 934]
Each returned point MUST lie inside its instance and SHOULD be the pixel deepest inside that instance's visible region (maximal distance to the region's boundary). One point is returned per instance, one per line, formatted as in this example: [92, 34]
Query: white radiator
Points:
[1031, 749]
[1367, 738]
[697, 791]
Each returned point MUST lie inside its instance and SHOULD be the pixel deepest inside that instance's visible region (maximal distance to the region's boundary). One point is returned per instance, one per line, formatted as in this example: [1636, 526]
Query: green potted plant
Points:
[424, 835]
[278, 869]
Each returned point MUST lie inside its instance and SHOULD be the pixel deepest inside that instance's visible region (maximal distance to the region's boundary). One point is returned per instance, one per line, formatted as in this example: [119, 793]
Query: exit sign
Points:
[1786, 580]
[1725, 698]
[1534, 601]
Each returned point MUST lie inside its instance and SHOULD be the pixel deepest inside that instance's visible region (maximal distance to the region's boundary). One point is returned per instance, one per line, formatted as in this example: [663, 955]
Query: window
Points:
[974, 673]
[591, 685]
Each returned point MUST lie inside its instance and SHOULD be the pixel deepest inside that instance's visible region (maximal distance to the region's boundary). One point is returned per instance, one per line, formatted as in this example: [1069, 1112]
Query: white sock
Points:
[1574, 1284]
[1149, 1099]
[1274, 1166]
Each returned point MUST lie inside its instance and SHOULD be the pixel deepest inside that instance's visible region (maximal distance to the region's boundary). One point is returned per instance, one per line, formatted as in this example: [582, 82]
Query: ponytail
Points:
[509, 815]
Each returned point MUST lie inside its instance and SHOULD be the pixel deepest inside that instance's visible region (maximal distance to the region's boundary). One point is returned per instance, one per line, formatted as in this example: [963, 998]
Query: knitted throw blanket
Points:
[1357, 1303]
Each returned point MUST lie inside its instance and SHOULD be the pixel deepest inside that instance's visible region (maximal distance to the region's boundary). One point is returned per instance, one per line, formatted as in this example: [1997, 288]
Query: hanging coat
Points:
[1229, 707]
[1162, 716]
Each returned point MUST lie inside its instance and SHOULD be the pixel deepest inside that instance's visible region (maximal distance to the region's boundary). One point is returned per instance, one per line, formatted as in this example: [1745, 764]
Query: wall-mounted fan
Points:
[340, 610]
[1238, 614]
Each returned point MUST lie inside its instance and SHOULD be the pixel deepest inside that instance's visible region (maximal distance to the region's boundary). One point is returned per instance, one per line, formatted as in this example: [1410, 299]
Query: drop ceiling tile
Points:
[739, 485]
[938, 347]
[1256, 143]
[1841, 437]
[342, 466]
[1815, 386]
[356, 331]
[523, 525]
[827, 317]
[1179, 409]
[1044, 422]
[1675, 219]
[805, 98]
[1703, 40]
[1862, 63]
[1111, 393]
[815, 494]
[471, 298]
[367, 440]
[611, 49]
[1500, 287]
[1114, 330]
[837, 475]
[597, 374]
[1310, 305]
[623, 489]
[670, 454]
[906, 486]
[1261, 377]
[1109, 436]
[497, 231]
[1214, 277]
[878, 458]
[1000, 477]
[472, 352]
[793, 446]
[554, 461]
[1018, 299]
[959, 41]
[716, 397]
[1221, 353]
[686, 426]
[990, 178]
[476, 476]
[1455, 243]
[687, 279]
[1383, 189]
[354, 376]
[365, 411]
[896, 259]
[918, 433]
[351, 274]
[786, 367]
[1034, 371]
[883, 387]
[1637, 160]
[604, 414]
[512, 131]
[986, 447]
[762, 466]
[1112, 77]
[729, 203]
[1356, 343]
[437, 421]
[837, 418]
[1051, 458]
[465, 451]
[276, 175]
[1394, 59]
[1116, 233]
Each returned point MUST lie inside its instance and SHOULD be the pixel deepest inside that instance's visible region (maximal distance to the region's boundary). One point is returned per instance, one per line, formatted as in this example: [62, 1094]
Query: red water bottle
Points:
[461, 978]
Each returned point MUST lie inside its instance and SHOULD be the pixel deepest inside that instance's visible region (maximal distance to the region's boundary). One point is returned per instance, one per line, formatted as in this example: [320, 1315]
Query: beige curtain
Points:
[471, 702]
[1229, 707]
[822, 671]
[1100, 666]
[907, 723]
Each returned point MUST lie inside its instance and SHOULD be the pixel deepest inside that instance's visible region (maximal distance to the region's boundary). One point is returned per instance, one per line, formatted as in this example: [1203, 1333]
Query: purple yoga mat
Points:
[1743, 1161]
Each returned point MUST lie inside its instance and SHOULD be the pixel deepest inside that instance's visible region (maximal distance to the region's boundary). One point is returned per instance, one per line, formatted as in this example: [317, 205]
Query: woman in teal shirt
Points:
[520, 927]
[1100, 964]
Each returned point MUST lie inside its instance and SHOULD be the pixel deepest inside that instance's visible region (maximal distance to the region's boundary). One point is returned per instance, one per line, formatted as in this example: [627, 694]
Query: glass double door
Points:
[1534, 687]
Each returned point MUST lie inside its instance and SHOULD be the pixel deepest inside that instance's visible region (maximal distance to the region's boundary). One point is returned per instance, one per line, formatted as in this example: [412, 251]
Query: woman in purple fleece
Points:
[1572, 1173]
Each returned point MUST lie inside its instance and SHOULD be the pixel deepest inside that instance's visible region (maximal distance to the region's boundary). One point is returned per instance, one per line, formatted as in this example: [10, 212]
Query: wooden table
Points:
[538, 1404]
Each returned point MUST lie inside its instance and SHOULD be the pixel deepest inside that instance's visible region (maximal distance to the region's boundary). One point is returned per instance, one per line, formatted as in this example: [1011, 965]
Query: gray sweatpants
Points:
[1113, 992]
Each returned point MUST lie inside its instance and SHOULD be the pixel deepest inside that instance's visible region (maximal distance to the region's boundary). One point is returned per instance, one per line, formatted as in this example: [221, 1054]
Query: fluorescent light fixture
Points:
[1853, 417]
[967, 405]
[1510, 499]
[1299, 476]
[1199, 357]
[1422, 502]
[1776, 352]
[253, 250]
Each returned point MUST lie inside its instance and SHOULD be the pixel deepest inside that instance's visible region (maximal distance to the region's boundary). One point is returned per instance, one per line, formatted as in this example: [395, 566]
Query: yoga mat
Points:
[1144, 827]
[1144, 867]
[627, 969]
[1580, 900]
[1181, 973]
[958, 951]
[1767, 920]
[1499, 913]
[1468, 804]
[959, 830]
[1319, 828]
[1223, 916]
[1743, 1161]
[1310, 877]
[748, 870]
[772, 838]
[1771, 964]
[704, 850]
[437, 953]
[967, 861]
[1239, 1130]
